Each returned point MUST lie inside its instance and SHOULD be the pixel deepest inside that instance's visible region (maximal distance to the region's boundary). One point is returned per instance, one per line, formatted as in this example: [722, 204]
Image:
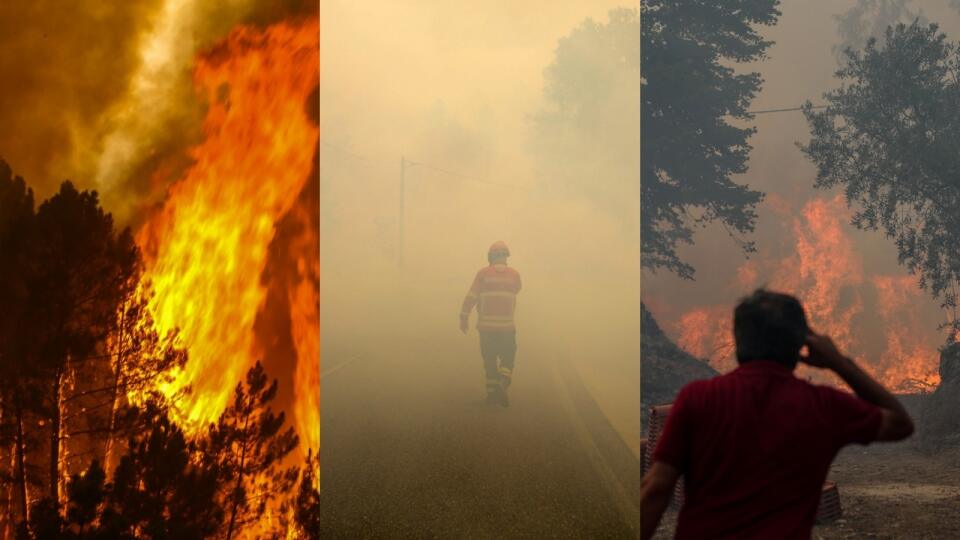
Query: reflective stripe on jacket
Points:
[494, 294]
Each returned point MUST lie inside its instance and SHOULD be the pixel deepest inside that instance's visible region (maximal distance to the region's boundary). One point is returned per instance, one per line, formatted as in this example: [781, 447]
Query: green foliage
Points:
[889, 137]
[690, 94]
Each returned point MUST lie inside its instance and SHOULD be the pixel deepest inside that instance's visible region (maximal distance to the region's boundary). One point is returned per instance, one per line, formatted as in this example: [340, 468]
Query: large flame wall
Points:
[872, 315]
[207, 247]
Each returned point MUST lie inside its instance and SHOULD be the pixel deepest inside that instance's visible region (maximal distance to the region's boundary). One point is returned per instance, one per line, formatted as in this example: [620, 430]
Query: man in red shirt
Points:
[494, 294]
[754, 446]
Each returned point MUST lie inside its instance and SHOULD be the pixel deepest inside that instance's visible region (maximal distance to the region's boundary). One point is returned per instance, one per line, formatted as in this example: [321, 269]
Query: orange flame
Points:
[826, 272]
[907, 359]
[707, 332]
[305, 321]
[206, 248]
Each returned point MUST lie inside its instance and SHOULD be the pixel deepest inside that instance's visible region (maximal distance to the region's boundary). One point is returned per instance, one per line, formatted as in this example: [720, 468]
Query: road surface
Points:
[409, 450]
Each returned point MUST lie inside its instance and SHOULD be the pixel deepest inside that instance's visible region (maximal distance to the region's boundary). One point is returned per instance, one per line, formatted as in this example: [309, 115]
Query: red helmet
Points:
[498, 247]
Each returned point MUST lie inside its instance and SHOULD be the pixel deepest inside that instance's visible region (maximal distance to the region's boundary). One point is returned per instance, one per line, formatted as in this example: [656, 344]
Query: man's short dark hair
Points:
[769, 326]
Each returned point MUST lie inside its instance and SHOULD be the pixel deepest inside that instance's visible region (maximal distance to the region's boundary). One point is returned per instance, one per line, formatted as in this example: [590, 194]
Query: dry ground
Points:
[888, 491]
[895, 491]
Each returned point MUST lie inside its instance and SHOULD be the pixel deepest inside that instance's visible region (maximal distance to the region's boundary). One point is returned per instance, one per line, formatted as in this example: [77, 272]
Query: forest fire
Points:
[825, 270]
[206, 249]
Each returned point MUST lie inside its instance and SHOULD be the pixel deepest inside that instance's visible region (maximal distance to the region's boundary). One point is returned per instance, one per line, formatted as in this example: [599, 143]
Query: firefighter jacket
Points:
[494, 294]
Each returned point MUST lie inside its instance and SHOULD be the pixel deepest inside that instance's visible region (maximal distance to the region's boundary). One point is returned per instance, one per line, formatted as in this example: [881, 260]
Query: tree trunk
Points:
[236, 504]
[115, 394]
[54, 487]
[21, 467]
[8, 462]
[236, 490]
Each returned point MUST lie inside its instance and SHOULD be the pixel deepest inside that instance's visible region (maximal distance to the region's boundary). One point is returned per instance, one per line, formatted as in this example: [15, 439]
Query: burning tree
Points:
[81, 365]
[889, 137]
[81, 272]
[306, 505]
[248, 445]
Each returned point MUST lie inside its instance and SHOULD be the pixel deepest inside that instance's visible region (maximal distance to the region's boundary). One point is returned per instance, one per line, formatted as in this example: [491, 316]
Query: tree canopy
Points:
[690, 96]
[888, 137]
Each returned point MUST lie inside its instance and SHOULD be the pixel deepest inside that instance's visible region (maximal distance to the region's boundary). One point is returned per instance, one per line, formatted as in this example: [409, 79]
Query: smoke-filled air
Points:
[447, 127]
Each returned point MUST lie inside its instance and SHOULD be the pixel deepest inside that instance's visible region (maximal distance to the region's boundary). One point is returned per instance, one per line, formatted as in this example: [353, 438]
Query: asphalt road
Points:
[409, 450]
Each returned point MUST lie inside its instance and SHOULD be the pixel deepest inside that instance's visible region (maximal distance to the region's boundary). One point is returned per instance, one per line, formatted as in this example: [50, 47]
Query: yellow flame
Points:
[206, 248]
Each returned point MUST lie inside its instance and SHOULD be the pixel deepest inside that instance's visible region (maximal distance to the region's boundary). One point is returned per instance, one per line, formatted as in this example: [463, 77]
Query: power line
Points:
[459, 175]
[767, 111]
[418, 164]
[353, 154]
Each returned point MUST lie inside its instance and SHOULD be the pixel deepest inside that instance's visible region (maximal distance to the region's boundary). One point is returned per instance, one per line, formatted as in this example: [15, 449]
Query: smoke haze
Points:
[804, 241]
[459, 88]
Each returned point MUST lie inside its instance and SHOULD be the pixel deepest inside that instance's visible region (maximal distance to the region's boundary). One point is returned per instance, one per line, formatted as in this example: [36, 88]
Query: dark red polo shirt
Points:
[754, 447]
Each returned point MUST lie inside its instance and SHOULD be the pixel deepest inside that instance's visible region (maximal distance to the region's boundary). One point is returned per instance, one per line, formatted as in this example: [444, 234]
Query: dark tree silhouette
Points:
[76, 339]
[85, 493]
[82, 271]
[16, 390]
[889, 137]
[137, 361]
[247, 445]
[162, 490]
[307, 504]
[690, 150]
[159, 491]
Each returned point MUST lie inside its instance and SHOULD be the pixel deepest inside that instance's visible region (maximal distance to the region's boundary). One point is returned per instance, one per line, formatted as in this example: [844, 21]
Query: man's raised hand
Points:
[821, 352]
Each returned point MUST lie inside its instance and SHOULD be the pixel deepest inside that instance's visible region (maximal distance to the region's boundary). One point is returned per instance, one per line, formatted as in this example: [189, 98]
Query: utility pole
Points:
[400, 238]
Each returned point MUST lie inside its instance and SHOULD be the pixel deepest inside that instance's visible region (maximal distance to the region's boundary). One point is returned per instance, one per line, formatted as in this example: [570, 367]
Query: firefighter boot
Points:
[506, 377]
[493, 391]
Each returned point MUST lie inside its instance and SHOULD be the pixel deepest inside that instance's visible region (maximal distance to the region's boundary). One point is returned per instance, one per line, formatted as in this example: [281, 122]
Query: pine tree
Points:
[82, 271]
[307, 508]
[248, 445]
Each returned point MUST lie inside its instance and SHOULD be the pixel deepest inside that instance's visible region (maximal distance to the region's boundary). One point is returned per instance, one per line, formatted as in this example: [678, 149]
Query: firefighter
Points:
[494, 294]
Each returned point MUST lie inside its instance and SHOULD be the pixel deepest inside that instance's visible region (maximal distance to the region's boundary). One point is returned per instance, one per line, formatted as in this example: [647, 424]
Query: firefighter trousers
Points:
[498, 350]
